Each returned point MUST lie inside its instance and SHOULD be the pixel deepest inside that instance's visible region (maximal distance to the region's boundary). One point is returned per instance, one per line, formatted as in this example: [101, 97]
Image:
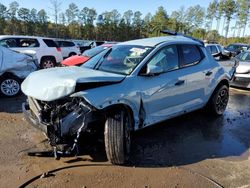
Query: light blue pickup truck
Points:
[130, 86]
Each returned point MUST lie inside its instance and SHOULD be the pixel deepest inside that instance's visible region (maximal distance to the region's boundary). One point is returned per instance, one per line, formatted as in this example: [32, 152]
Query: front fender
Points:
[101, 102]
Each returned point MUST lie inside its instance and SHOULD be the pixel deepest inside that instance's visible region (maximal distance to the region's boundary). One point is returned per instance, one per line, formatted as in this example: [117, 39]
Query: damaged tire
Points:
[117, 136]
[218, 102]
[10, 86]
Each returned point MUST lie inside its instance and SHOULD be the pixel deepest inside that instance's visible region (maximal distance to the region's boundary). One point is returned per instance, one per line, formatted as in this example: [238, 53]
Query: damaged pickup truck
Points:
[130, 86]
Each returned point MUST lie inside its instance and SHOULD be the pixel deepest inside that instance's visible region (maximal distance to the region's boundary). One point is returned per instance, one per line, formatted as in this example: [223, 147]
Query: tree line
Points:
[211, 23]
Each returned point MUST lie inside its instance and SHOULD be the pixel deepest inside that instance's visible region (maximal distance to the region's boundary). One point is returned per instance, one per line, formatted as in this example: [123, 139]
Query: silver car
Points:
[128, 87]
[242, 75]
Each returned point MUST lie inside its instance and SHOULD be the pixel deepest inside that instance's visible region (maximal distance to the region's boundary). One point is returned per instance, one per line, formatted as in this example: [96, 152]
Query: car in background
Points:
[88, 44]
[14, 67]
[134, 85]
[88, 54]
[47, 51]
[68, 48]
[217, 51]
[236, 48]
[242, 74]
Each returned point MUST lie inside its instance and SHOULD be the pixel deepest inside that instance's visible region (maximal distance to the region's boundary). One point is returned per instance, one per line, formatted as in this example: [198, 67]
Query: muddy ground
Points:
[189, 151]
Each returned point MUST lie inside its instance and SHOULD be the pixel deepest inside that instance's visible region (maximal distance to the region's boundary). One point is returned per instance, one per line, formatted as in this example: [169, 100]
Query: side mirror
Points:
[152, 71]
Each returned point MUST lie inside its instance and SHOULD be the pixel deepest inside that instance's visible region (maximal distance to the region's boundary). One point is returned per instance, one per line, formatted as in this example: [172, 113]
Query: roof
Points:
[151, 42]
[22, 36]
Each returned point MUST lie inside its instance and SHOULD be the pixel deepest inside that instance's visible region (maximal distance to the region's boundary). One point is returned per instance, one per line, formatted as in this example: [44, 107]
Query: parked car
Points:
[242, 75]
[88, 44]
[88, 54]
[47, 51]
[235, 49]
[217, 51]
[68, 48]
[14, 67]
[134, 85]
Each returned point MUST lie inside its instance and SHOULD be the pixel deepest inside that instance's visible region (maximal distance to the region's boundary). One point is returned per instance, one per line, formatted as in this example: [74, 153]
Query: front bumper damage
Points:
[62, 121]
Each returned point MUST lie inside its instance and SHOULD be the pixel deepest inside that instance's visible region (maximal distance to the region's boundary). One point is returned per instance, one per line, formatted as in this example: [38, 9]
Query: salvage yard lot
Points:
[190, 151]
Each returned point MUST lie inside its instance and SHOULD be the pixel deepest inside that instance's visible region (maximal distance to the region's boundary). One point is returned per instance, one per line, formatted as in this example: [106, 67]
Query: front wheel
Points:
[218, 102]
[10, 86]
[117, 136]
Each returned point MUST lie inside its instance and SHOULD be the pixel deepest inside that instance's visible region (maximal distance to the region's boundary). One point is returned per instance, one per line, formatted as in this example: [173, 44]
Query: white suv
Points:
[68, 48]
[47, 51]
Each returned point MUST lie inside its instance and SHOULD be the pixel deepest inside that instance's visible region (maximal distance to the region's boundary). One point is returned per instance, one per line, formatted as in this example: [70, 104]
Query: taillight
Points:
[58, 49]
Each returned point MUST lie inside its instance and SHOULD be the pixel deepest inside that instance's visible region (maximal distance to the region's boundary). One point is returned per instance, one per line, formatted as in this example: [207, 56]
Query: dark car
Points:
[235, 49]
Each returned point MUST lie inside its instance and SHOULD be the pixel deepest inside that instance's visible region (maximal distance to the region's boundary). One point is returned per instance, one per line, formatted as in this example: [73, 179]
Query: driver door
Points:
[162, 94]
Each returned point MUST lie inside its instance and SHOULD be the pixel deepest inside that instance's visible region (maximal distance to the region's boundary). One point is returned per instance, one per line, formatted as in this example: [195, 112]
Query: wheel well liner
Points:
[44, 57]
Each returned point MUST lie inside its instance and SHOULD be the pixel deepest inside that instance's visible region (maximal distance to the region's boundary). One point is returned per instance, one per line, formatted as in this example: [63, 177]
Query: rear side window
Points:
[65, 43]
[190, 55]
[68, 44]
[28, 43]
[50, 43]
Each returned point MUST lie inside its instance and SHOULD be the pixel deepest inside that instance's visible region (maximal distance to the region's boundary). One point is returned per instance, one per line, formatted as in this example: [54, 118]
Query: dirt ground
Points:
[189, 151]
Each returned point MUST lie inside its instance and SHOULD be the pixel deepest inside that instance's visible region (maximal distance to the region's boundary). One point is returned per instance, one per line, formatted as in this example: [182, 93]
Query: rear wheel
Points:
[117, 136]
[10, 86]
[218, 102]
[48, 62]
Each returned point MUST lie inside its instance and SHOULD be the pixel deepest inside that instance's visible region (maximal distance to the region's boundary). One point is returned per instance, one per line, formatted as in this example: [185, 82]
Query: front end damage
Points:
[62, 120]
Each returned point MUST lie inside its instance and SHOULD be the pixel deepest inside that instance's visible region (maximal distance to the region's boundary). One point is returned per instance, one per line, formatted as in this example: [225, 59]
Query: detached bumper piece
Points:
[33, 120]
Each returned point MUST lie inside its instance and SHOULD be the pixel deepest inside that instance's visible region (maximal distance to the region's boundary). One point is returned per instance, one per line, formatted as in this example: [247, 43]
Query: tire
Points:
[117, 136]
[218, 102]
[10, 86]
[47, 62]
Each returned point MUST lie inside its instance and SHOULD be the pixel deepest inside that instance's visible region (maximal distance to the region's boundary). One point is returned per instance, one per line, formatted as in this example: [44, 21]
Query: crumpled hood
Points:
[55, 83]
[243, 67]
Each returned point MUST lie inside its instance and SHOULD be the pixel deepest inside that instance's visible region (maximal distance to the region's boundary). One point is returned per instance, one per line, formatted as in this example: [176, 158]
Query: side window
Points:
[9, 43]
[190, 54]
[214, 50]
[166, 58]
[209, 49]
[68, 44]
[50, 43]
[28, 43]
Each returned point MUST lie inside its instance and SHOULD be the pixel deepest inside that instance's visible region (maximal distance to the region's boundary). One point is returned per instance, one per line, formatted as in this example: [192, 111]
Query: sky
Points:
[144, 6]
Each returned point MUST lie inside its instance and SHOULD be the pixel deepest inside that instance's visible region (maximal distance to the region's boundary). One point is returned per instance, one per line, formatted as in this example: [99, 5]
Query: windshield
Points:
[244, 56]
[94, 60]
[233, 47]
[92, 52]
[122, 59]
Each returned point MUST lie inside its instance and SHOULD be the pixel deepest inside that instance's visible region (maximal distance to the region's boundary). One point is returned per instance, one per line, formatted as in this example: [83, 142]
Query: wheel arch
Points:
[121, 106]
[48, 56]
[6, 74]
[223, 81]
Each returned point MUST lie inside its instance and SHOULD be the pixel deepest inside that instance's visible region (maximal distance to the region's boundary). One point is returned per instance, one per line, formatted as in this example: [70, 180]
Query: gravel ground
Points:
[189, 151]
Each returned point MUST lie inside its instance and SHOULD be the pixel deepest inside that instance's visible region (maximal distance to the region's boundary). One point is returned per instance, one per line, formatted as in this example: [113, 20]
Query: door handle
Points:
[179, 82]
[208, 73]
